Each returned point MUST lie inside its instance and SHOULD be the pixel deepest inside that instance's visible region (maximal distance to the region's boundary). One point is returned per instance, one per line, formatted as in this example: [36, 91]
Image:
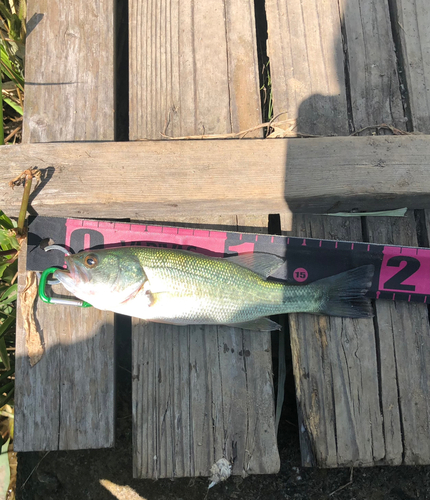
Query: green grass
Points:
[12, 41]
[8, 292]
[12, 45]
[266, 89]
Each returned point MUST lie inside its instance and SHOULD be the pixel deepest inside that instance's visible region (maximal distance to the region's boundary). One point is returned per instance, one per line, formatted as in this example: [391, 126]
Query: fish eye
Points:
[91, 261]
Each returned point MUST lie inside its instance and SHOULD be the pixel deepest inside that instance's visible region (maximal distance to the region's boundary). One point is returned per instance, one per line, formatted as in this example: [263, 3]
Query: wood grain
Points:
[335, 368]
[372, 66]
[396, 325]
[193, 68]
[199, 394]
[411, 18]
[308, 175]
[306, 65]
[404, 346]
[69, 84]
[410, 27]
[406, 394]
[194, 390]
[66, 401]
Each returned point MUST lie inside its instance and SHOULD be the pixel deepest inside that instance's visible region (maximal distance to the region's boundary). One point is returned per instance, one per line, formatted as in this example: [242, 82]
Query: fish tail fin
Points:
[344, 294]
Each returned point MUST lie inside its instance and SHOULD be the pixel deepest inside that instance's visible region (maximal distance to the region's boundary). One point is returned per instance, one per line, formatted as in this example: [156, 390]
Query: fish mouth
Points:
[73, 276]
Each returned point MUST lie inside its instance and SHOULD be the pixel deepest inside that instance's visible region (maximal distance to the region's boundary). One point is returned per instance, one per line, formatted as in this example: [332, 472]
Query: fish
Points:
[187, 288]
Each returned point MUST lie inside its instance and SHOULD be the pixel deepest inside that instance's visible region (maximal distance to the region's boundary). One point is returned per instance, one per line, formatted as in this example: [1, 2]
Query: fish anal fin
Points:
[260, 325]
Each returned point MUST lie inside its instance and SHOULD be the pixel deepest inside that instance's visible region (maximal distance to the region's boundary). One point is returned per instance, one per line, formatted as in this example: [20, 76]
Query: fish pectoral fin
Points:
[264, 264]
[260, 325]
[157, 297]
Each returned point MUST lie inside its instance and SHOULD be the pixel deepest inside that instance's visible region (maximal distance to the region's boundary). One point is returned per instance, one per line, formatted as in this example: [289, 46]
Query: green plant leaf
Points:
[7, 388]
[4, 356]
[14, 105]
[7, 272]
[9, 294]
[8, 68]
[8, 239]
[10, 386]
[5, 222]
[4, 376]
[3, 268]
[10, 272]
[1, 114]
[7, 323]
[5, 12]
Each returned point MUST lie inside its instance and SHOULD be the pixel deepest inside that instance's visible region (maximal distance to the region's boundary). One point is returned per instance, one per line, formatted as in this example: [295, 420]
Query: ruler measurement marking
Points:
[380, 255]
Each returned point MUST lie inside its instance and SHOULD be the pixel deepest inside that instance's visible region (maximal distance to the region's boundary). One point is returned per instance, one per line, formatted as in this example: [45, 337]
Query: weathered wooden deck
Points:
[337, 67]
[362, 385]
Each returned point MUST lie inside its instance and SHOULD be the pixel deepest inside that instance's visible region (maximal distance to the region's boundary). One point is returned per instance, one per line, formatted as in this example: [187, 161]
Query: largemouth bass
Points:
[184, 288]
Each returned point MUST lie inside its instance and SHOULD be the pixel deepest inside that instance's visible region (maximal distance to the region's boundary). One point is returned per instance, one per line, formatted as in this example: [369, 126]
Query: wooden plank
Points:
[372, 66]
[306, 65]
[395, 334]
[335, 369]
[411, 21]
[343, 430]
[68, 85]
[306, 61]
[404, 393]
[188, 59]
[404, 351]
[197, 400]
[396, 325]
[66, 401]
[342, 173]
[201, 393]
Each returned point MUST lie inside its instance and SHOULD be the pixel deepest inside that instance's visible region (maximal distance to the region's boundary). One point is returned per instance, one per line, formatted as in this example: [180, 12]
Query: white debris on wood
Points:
[220, 471]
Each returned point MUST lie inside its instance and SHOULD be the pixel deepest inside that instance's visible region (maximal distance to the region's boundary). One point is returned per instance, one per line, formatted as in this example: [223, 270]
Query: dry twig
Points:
[31, 173]
[345, 485]
[394, 130]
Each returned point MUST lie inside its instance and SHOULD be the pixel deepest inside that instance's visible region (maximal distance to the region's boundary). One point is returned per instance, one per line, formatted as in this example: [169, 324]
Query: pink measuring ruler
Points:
[401, 273]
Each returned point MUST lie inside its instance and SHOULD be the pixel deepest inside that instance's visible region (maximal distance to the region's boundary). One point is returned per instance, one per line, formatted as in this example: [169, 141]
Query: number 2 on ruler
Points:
[403, 272]
[396, 282]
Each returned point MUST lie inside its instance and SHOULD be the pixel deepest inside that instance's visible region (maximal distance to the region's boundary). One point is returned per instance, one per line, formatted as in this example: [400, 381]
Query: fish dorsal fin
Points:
[264, 264]
[260, 325]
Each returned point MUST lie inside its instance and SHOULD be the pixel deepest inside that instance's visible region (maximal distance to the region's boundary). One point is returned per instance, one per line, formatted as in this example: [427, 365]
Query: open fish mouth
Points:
[73, 277]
